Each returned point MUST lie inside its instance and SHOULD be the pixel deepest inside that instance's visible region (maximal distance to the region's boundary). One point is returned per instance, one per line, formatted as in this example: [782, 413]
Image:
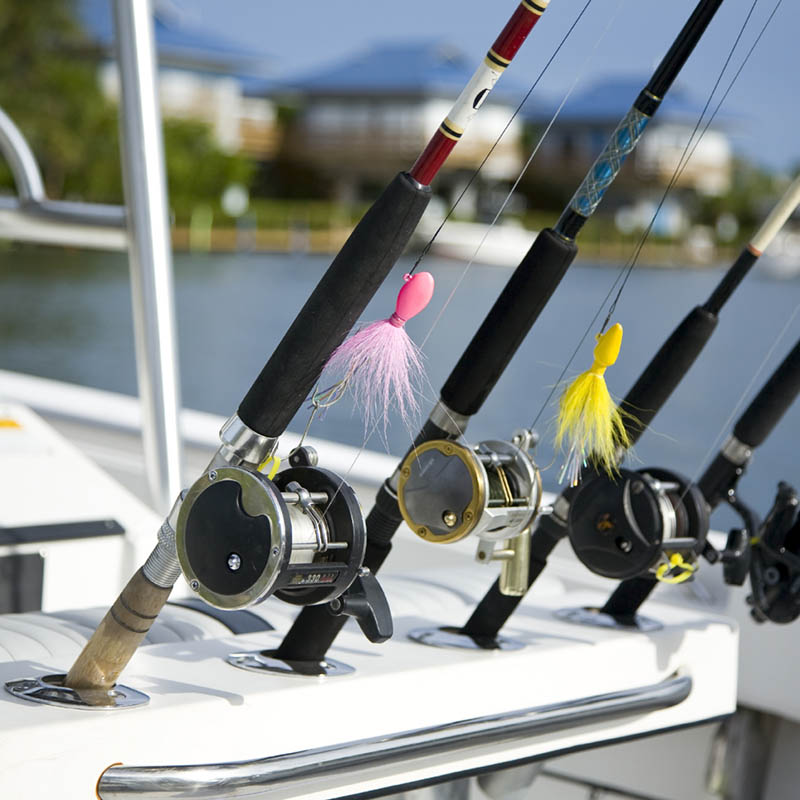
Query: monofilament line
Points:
[522, 172]
[427, 247]
[690, 148]
[682, 162]
[429, 244]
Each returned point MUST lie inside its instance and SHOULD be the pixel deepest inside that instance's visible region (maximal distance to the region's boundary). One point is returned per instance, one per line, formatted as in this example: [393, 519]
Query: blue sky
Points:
[763, 107]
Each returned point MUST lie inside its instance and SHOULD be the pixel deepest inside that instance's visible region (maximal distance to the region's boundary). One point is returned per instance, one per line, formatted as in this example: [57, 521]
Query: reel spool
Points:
[447, 491]
[650, 521]
[241, 537]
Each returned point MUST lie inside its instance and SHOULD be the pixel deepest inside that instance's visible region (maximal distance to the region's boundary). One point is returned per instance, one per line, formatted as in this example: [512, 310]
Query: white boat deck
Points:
[204, 711]
[445, 712]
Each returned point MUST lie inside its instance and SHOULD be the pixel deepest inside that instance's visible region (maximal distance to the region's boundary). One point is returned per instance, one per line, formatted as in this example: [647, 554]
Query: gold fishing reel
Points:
[448, 491]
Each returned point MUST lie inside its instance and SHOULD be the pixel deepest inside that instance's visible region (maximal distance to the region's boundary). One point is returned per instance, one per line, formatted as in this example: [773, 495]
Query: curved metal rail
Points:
[142, 230]
[315, 769]
[32, 217]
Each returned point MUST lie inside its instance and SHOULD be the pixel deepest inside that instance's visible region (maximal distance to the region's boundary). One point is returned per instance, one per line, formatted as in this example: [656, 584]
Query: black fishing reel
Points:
[775, 562]
[448, 491]
[301, 536]
[636, 523]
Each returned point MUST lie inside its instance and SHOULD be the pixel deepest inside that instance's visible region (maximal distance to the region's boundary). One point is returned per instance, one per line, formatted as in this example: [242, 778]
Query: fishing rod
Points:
[244, 531]
[644, 400]
[676, 536]
[498, 483]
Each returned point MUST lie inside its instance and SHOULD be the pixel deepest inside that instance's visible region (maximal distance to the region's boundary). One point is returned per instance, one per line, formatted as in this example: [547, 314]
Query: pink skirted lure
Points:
[380, 362]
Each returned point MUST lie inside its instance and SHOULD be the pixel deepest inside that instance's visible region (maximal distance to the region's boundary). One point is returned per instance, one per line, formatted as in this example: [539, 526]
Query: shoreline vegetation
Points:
[321, 227]
[327, 241]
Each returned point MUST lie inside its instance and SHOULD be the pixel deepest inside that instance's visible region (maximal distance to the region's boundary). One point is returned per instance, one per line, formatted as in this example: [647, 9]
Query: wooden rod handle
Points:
[118, 635]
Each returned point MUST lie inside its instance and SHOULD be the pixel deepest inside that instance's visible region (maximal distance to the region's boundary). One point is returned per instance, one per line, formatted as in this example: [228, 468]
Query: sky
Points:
[614, 37]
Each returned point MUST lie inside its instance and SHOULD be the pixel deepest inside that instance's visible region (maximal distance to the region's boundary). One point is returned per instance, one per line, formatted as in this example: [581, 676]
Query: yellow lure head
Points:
[589, 422]
[606, 351]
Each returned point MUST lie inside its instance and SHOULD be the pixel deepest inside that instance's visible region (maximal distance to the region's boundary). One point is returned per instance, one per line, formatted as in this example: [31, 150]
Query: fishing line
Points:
[333, 390]
[429, 244]
[687, 153]
[682, 162]
[336, 392]
[369, 435]
[524, 169]
[513, 188]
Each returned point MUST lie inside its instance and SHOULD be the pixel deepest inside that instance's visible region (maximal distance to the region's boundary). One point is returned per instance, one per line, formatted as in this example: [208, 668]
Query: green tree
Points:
[197, 170]
[752, 193]
[50, 89]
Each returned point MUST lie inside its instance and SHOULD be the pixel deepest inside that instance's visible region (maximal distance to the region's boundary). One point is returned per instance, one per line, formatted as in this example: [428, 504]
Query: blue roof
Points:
[428, 67]
[609, 99]
[177, 39]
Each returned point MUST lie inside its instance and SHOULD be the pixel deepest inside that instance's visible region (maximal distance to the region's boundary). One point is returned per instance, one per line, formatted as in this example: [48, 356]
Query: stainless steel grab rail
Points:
[311, 770]
[142, 230]
[31, 217]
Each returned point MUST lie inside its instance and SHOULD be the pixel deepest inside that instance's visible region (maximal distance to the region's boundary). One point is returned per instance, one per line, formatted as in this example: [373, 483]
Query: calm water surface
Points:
[67, 315]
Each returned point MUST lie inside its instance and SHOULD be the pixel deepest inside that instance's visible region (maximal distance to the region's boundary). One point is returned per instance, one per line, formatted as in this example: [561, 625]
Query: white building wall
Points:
[709, 168]
[214, 99]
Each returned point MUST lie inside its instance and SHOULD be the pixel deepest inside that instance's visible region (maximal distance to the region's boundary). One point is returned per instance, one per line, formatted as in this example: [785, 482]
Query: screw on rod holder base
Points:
[266, 661]
[50, 689]
[599, 619]
[454, 638]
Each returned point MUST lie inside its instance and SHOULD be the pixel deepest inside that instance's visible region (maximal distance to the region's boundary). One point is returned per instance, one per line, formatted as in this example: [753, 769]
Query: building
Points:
[361, 120]
[587, 120]
[201, 77]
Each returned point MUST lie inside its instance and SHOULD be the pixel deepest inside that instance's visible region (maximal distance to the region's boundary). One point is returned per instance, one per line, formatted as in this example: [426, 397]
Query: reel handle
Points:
[366, 602]
[775, 562]
[736, 557]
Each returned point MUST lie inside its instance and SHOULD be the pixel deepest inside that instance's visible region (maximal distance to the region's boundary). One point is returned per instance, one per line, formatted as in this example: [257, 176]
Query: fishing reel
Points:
[775, 562]
[638, 523]
[301, 536]
[448, 491]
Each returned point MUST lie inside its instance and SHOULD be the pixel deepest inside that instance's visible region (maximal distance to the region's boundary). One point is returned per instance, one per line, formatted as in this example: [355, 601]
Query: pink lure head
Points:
[413, 297]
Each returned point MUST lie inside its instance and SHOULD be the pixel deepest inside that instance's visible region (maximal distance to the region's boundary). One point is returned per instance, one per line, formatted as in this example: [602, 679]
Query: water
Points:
[67, 315]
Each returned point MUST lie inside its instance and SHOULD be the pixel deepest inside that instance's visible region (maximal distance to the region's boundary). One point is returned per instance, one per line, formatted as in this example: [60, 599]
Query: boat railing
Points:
[32, 217]
[141, 227]
[321, 769]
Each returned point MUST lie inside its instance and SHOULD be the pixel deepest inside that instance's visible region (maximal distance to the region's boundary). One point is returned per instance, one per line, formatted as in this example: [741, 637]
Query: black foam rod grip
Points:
[771, 403]
[666, 370]
[334, 307]
[314, 629]
[508, 322]
[628, 597]
[495, 608]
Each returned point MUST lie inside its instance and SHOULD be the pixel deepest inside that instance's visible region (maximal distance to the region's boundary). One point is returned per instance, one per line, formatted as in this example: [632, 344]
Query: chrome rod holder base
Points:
[452, 637]
[599, 619]
[266, 661]
[50, 689]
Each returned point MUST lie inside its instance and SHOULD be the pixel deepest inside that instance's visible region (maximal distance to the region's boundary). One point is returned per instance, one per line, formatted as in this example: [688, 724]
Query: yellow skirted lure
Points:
[589, 421]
